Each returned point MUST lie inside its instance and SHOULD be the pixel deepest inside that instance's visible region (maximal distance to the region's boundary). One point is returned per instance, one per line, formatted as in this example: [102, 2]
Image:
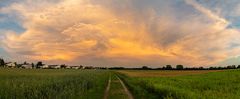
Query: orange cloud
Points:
[83, 31]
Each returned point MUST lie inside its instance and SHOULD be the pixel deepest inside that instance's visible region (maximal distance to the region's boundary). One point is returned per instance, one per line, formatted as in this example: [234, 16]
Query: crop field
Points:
[199, 85]
[165, 73]
[125, 84]
[52, 84]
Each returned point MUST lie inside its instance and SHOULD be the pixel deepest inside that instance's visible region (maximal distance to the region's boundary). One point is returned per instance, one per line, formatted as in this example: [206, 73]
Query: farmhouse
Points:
[51, 66]
[27, 66]
[54, 66]
[11, 65]
[45, 66]
[76, 67]
[68, 67]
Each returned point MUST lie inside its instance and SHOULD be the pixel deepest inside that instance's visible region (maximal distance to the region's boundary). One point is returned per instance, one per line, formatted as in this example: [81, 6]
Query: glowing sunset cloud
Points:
[120, 32]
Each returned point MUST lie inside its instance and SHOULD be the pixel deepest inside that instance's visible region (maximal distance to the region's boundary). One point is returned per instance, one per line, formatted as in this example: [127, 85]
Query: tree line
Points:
[178, 67]
[167, 67]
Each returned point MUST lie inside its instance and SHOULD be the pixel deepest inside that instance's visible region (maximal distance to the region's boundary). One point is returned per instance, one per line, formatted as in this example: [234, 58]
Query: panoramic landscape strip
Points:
[119, 83]
[92, 84]
[41, 65]
[119, 49]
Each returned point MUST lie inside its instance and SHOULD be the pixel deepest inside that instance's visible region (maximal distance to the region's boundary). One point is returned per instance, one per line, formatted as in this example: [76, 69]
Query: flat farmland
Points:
[183, 84]
[164, 73]
[124, 84]
[52, 84]
[61, 84]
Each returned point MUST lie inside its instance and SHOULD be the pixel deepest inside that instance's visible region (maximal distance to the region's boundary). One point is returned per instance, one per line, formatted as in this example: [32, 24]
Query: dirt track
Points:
[130, 96]
[107, 89]
[124, 88]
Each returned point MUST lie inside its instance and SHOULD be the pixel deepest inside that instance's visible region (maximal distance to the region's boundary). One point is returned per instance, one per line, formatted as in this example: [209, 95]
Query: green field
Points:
[212, 85]
[142, 84]
[52, 84]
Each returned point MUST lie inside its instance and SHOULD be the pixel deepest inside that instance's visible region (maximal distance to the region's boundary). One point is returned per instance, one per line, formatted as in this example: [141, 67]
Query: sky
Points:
[121, 32]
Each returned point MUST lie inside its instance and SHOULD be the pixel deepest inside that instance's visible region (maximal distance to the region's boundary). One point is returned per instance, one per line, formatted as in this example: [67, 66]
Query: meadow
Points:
[178, 85]
[52, 84]
[142, 84]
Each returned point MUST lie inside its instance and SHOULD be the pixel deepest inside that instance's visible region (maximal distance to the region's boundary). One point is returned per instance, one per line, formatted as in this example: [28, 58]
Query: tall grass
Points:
[52, 84]
[217, 85]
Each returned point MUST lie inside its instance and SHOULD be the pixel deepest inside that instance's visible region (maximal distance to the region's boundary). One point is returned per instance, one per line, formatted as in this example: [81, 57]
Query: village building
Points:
[45, 67]
[11, 65]
[68, 67]
[75, 67]
[54, 66]
[27, 66]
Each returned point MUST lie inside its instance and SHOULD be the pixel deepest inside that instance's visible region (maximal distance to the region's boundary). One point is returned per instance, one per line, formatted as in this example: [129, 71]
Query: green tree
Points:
[145, 67]
[238, 67]
[17, 65]
[231, 67]
[234, 67]
[179, 67]
[39, 64]
[63, 66]
[33, 65]
[2, 63]
[201, 68]
[168, 67]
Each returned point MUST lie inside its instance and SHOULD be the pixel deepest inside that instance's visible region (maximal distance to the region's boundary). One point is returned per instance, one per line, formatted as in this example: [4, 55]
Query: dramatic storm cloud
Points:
[120, 32]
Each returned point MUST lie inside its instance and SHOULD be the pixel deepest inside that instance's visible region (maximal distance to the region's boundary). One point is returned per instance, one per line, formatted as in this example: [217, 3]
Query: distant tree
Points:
[163, 68]
[238, 67]
[25, 63]
[103, 68]
[234, 67]
[220, 68]
[17, 65]
[201, 68]
[179, 67]
[168, 67]
[33, 65]
[231, 67]
[39, 64]
[159, 68]
[63, 66]
[111, 68]
[145, 68]
[91, 67]
[228, 67]
[2, 63]
[81, 66]
[212, 68]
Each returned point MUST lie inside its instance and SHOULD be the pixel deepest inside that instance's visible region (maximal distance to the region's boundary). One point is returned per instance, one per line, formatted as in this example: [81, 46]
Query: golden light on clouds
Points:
[89, 31]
